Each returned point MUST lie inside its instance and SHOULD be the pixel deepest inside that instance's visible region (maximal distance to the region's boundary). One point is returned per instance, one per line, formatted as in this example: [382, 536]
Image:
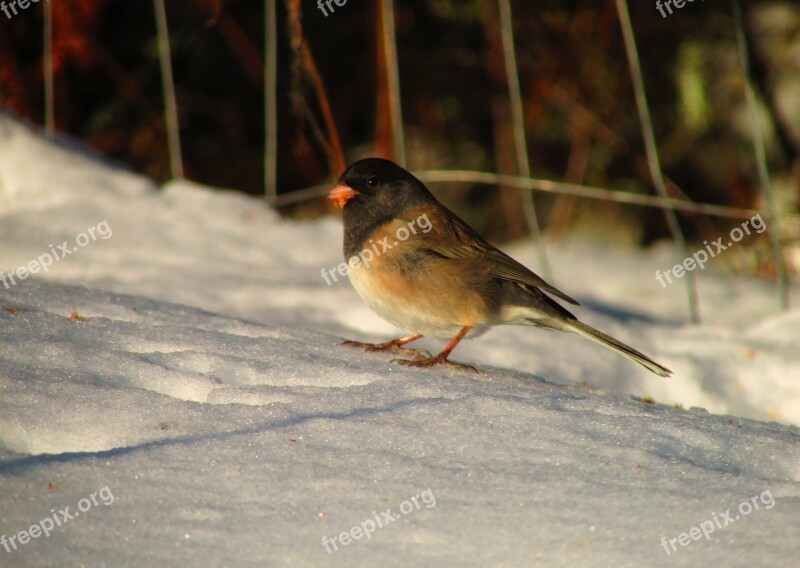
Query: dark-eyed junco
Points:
[423, 269]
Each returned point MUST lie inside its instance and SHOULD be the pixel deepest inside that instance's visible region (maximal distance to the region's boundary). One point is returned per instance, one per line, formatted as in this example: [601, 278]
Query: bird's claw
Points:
[388, 346]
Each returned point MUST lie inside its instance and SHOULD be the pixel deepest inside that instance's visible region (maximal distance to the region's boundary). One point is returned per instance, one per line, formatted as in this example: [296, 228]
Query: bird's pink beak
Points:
[341, 194]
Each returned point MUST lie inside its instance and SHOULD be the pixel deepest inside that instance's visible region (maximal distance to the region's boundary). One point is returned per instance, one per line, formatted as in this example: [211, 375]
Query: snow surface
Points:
[199, 391]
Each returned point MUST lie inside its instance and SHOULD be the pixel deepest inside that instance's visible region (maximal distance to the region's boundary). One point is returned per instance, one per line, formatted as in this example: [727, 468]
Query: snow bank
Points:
[179, 387]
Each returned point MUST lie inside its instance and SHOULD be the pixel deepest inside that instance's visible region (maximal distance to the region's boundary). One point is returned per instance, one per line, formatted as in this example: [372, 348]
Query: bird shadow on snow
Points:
[621, 314]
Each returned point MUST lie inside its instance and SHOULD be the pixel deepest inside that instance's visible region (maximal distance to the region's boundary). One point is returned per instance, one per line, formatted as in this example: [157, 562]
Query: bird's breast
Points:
[415, 290]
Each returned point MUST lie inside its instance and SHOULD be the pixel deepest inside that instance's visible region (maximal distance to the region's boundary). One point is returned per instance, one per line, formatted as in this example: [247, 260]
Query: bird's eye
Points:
[372, 182]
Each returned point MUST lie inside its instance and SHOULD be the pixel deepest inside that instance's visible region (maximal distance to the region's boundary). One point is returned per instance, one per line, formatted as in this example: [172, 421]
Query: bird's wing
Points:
[469, 245]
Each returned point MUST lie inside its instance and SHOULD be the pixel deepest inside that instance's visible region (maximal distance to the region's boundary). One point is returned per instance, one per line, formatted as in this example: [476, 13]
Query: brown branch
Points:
[305, 58]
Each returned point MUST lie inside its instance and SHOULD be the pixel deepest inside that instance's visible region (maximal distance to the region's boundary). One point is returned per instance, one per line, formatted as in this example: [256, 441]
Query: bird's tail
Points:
[599, 337]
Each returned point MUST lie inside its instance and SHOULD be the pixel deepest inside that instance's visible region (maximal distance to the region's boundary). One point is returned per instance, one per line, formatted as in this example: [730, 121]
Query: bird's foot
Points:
[393, 346]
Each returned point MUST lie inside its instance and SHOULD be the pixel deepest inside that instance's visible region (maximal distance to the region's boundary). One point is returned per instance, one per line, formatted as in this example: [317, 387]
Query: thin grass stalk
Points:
[518, 119]
[331, 145]
[761, 159]
[393, 78]
[557, 187]
[170, 106]
[270, 101]
[600, 193]
[651, 150]
[335, 144]
[49, 80]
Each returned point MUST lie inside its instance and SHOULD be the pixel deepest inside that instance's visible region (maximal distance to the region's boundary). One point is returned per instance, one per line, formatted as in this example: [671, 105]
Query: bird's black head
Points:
[372, 192]
[378, 185]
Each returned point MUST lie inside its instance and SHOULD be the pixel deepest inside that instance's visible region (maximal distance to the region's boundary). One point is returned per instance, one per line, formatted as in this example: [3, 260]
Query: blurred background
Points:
[333, 90]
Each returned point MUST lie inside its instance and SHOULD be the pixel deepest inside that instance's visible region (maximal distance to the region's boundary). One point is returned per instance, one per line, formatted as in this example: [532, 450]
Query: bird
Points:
[423, 269]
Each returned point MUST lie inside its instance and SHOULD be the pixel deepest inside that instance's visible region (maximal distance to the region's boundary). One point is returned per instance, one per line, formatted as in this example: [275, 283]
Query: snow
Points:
[198, 408]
